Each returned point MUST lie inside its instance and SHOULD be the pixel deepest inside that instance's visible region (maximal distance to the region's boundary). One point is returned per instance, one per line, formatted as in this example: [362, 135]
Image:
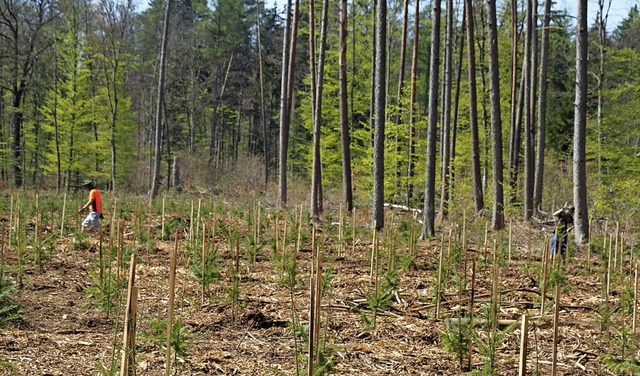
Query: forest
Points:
[336, 187]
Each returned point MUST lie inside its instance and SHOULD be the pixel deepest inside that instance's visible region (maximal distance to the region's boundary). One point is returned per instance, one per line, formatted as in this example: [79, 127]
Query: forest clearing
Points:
[247, 311]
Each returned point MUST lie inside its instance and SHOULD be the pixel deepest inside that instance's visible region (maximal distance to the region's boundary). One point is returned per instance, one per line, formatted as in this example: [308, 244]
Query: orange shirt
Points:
[96, 200]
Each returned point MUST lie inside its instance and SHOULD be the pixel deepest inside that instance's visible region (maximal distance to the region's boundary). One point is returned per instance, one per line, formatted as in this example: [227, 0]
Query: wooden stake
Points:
[615, 250]
[172, 290]
[438, 282]
[120, 248]
[35, 233]
[589, 258]
[373, 252]
[635, 301]
[162, 220]
[204, 259]
[340, 231]
[64, 208]
[353, 231]
[198, 220]
[299, 239]
[609, 267]
[312, 304]
[510, 239]
[190, 220]
[129, 321]
[284, 241]
[545, 262]
[622, 253]
[556, 318]
[277, 230]
[472, 295]
[524, 332]
[495, 288]
[486, 239]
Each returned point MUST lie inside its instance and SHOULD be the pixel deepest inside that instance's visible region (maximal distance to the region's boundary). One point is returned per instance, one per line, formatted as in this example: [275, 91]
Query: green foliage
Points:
[211, 266]
[103, 292]
[180, 336]
[9, 310]
[8, 367]
[456, 338]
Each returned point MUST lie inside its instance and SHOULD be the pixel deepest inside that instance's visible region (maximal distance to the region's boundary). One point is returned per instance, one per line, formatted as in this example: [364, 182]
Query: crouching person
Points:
[564, 224]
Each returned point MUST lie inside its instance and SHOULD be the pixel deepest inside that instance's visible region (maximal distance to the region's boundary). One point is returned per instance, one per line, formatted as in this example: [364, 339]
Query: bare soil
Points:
[60, 332]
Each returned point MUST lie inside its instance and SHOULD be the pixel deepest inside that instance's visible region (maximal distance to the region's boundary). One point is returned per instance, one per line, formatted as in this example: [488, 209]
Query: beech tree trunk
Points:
[446, 111]
[412, 104]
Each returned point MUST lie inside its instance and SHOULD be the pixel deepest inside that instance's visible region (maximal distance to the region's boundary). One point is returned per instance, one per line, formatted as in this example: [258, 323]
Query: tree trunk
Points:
[446, 111]
[478, 197]
[514, 138]
[285, 116]
[456, 106]
[155, 183]
[379, 108]
[316, 183]
[412, 103]
[529, 58]
[497, 214]
[263, 120]
[580, 129]
[542, 107]
[428, 226]
[347, 184]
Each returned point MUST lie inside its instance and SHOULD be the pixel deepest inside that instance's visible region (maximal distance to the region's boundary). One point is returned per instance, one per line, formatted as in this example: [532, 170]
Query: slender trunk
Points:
[446, 110]
[542, 107]
[428, 226]
[412, 104]
[316, 183]
[347, 189]
[497, 216]
[285, 116]
[514, 142]
[580, 128]
[456, 105]
[528, 115]
[263, 121]
[155, 183]
[379, 108]
[478, 197]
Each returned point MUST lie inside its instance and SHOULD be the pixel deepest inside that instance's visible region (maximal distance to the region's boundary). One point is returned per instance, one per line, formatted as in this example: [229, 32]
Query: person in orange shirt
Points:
[94, 205]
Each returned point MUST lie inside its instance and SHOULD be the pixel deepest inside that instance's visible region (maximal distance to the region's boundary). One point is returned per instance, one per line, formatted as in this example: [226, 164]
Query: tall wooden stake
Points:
[172, 291]
[64, 209]
[524, 332]
[128, 339]
[204, 258]
[472, 296]
[635, 301]
[556, 317]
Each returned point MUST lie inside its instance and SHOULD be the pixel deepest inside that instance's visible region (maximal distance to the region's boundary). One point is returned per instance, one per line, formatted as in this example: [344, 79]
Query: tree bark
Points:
[542, 107]
[285, 116]
[514, 138]
[580, 129]
[530, 53]
[428, 226]
[478, 197]
[347, 184]
[412, 103]
[316, 183]
[497, 216]
[155, 183]
[379, 118]
[446, 109]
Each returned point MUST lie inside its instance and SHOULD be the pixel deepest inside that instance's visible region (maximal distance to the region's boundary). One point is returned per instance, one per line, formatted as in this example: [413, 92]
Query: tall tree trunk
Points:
[456, 104]
[316, 183]
[542, 107]
[497, 213]
[263, 118]
[379, 109]
[446, 111]
[428, 226]
[412, 103]
[529, 58]
[285, 116]
[601, 20]
[399, 109]
[580, 129]
[284, 74]
[478, 197]
[514, 138]
[155, 183]
[347, 184]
